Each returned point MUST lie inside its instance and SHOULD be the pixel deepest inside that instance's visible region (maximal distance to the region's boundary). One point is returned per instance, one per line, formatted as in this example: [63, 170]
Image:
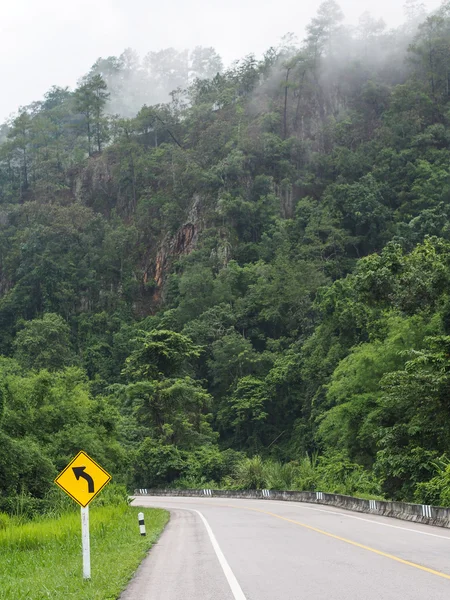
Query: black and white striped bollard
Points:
[141, 523]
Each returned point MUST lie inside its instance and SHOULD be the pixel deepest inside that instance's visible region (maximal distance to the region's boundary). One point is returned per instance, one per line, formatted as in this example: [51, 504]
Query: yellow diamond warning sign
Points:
[82, 479]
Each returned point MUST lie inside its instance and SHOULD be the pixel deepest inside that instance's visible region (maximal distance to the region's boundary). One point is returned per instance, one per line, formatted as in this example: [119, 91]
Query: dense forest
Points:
[234, 276]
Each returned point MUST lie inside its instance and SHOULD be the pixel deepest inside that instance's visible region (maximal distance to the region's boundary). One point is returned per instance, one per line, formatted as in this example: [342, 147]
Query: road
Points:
[224, 549]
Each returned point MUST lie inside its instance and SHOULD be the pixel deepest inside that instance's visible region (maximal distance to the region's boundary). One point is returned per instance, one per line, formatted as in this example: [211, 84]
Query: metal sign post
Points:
[82, 480]
[86, 542]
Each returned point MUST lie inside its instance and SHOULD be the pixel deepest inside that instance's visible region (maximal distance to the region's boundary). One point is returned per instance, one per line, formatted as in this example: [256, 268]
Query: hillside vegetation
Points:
[247, 284]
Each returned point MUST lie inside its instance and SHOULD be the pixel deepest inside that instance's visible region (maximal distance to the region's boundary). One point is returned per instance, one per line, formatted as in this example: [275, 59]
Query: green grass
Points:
[42, 559]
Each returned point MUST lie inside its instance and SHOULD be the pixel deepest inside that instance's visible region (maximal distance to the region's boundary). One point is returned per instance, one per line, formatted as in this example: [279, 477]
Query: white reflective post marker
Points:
[86, 542]
[141, 523]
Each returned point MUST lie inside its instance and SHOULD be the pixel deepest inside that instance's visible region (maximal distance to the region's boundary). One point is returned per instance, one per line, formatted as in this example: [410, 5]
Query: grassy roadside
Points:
[42, 559]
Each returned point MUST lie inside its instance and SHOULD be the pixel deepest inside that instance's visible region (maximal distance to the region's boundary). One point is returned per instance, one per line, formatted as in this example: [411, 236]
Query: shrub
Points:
[338, 475]
[208, 463]
[157, 464]
[278, 476]
[436, 491]
[250, 474]
[307, 479]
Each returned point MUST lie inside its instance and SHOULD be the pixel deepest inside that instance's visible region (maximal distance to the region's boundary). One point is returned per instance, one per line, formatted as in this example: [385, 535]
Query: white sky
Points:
[54, 42]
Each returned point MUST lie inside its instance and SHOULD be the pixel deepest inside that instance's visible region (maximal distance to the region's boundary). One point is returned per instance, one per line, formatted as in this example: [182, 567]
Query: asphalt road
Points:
[220, 549]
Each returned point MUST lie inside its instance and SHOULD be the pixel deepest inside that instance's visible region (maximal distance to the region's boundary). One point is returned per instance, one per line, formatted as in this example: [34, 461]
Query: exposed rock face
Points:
[182, 243]
[94, 185]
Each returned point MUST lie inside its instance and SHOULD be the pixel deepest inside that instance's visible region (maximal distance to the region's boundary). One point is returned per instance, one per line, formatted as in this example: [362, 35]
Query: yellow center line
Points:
[342, 539]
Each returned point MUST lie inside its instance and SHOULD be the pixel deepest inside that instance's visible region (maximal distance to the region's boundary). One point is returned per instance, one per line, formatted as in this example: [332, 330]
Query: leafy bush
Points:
[23, 507]
[157, 464]
[333, 473]
[307, 476]
[337, 474]
[24, 466]
[278, 476]
[436, 491]
[208, 463]
[250, 473]
[112, 495]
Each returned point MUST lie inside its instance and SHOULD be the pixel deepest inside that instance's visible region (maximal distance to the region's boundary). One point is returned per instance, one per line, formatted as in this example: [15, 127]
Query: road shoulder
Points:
[182, 565]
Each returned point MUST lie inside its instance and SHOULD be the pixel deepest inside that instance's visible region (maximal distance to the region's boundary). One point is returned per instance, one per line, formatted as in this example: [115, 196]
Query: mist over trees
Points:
[133, 82]
[235, 276]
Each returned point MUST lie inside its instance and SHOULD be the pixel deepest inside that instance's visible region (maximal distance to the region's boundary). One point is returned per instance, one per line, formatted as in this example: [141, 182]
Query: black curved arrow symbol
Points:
[79, 472]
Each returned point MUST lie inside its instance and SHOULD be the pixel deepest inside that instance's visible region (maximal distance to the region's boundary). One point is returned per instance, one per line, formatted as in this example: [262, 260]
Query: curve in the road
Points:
[273, 550]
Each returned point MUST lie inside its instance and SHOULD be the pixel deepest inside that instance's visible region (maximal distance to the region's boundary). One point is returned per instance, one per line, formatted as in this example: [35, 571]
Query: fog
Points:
[50, 42]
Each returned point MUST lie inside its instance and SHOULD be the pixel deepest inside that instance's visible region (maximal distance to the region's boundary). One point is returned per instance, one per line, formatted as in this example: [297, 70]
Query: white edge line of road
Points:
[340, 514]
[232, 581]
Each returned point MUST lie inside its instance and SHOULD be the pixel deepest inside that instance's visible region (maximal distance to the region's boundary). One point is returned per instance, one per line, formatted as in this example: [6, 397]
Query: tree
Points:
[47, 418]
[44, 343]
[415, 418]
[168, 70]
[364, 213]
[173, 411]
[90, 101]
[205, 63]
[246, 413]
[160, 354]
[156, 464]
[56, 97]
[19, 137]
[233, 357]
[24, 468]
[431, 51]
[167, 401]
[354, 393]
[323, 26]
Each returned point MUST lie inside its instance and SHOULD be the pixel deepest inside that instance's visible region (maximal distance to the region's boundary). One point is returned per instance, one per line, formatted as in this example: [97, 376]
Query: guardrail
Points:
[420, 513]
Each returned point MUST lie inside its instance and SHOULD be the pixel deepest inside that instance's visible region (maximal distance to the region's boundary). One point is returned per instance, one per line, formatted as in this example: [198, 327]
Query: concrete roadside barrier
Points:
[420, 513]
